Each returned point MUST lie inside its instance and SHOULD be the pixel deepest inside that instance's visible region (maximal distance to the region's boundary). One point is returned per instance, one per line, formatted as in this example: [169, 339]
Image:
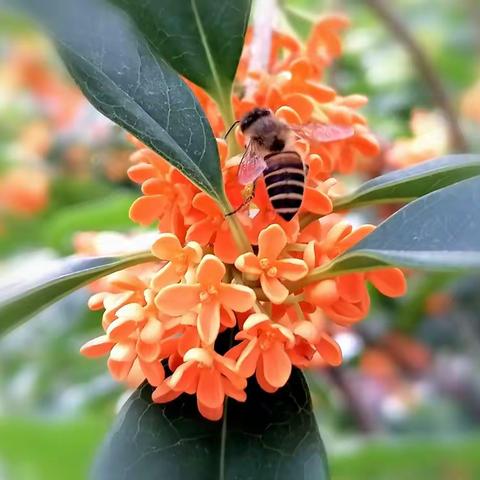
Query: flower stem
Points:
[307, 219]
[238, 233]
[228, 115]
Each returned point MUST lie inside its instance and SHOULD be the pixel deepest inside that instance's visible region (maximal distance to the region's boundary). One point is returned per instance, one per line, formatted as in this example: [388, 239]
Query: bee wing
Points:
[321, 132]
[251, 165]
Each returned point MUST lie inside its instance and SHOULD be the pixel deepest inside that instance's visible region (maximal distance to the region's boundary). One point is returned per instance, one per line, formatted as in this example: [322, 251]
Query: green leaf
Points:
[268, 436]
[410, 183]
[118, 72]
[200, 39]
[20, 301]
[439, 232]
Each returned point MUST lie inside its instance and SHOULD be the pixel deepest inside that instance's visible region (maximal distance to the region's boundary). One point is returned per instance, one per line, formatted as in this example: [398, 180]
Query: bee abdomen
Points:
[285, 179]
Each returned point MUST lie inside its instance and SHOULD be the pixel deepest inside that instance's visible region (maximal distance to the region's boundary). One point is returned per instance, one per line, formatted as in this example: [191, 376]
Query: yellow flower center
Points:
[212, 290]
[207, 294]
[264, 263]
[272, 272]
[181, 263]
[266, 340]
[180, 258]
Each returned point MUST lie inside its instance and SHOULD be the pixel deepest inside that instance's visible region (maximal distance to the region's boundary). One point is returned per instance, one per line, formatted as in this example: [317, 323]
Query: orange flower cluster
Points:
[266, 299]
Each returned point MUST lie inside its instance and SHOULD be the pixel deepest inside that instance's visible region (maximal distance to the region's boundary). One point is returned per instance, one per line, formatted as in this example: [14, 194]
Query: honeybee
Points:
[270, 151]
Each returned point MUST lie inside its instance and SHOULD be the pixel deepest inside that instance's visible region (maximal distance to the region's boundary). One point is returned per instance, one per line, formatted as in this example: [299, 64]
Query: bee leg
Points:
[245, 202]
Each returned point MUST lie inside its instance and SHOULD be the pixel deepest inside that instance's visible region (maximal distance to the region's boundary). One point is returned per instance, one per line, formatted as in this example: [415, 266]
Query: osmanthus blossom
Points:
[430, 139]
[214, 300]
[268, 268]
[170, 322]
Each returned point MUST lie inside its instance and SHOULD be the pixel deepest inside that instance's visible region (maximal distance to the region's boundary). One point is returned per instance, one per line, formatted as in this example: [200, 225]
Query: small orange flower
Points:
[268, 267]
[214, 299]
[263, 351]
[180, 259]
[208, 375]
[24, 191]
[212, 228]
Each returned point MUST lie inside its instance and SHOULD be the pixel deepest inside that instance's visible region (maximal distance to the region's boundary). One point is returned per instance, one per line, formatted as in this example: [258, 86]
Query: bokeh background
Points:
[406, 403]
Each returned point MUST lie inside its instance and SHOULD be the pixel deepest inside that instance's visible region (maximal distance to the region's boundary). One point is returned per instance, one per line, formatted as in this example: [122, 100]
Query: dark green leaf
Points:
[200, 39]
[21, 301]
[440, 231]
[117, 71]
[269, 436]
[410, 183]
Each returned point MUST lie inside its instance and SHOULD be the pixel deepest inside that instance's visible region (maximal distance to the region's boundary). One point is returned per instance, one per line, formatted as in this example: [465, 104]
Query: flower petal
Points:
[185, 377]
[291, 269]
[271, 241]
[254, 321]
[163, 393]
[145, 210]
[227, 318]
[206, 204]
[273, 289]
[208, 322]
[248, 359]
[276, 365]
[352, 287]
[119, 369]
[210, 271]
[329, 350]
[148, 352]
[97, 347]
[210, 389]
[154, 372]
[200, 355]
[201, 231]
[232, 392]
[121, 328]
[212, 414]
[123, 352]
[322, 293]
[167, 246]
[248, 263]
[188, 340]
[167, 275]
[260, 376]
[225, 247]
[389, 281]
[95, 302]
[237, 297]
[178, 299]
[152, 331]
[316, 201]
[131, 311]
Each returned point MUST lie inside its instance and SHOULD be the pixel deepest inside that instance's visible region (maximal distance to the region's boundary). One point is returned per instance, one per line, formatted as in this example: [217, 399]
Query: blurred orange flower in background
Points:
[470, 106]
[430, 140]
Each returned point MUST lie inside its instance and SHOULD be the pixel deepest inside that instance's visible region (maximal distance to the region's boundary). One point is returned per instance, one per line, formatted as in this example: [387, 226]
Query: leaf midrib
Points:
[208, 53]
[116, 86]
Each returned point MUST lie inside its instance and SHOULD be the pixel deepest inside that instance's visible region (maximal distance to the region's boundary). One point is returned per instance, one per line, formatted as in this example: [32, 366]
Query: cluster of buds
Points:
[264, 295]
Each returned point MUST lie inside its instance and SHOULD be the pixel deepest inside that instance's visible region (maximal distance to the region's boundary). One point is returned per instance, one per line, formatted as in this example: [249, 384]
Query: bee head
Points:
[252, 116]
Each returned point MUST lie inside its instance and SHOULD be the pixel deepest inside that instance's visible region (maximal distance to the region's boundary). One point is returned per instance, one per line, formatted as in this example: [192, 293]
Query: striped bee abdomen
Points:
[285, 181]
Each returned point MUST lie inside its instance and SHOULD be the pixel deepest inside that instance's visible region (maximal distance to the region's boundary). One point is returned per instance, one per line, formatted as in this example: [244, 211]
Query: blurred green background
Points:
[406, 404]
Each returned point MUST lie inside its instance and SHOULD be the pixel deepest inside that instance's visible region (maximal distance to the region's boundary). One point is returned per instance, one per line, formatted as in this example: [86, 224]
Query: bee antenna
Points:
[230, 129]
